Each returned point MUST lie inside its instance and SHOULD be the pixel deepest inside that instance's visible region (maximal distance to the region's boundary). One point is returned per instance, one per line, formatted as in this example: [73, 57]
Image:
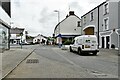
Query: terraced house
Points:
[4, 24]
[69, 27]
[103, 21]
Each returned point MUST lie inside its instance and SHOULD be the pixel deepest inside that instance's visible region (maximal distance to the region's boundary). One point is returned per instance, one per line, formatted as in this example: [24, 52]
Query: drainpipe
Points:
[9, 38]
[98, 27]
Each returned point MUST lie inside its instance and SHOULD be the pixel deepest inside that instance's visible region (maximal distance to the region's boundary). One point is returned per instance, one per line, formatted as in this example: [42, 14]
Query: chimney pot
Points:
[71, 13]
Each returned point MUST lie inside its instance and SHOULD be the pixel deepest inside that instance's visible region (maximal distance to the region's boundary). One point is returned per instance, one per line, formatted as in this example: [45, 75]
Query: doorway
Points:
[89, 31]
[103, 42]
[107, 41]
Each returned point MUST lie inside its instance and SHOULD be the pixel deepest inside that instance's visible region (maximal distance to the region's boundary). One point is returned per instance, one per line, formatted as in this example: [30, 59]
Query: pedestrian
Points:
[47, 42]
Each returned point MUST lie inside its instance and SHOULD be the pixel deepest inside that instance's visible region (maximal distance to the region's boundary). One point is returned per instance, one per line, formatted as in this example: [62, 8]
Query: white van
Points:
[85, 44]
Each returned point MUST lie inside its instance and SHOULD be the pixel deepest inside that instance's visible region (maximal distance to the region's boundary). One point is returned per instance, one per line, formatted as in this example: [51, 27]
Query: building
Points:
[39, 38]
[103, 21]
[4, 24]
[69, 27]
[15, 35]
[29, 40]
[119, 38]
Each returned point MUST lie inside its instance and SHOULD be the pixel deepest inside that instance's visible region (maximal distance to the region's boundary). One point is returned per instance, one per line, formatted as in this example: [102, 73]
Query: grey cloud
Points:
[46, 17]
[75, 5]
[94, 1]
[17, 3]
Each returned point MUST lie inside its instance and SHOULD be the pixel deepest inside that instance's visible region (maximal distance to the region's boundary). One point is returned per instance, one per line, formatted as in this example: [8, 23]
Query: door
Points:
[103, 42]
[107, 41]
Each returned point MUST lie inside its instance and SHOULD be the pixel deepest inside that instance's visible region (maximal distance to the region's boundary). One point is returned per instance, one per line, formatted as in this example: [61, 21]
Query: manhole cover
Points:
[98, 73]
[32, 61]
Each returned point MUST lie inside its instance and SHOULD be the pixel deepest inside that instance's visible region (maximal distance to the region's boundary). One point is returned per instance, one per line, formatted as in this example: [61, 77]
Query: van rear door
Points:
[90, 43]
[94, 43]
[87, 43]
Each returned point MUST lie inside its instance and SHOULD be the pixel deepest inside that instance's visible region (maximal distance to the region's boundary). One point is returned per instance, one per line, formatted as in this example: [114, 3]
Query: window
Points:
[79, 24]
[106, 24]
[106, 9]
[91, 16]
[87, 41]
[85, 20]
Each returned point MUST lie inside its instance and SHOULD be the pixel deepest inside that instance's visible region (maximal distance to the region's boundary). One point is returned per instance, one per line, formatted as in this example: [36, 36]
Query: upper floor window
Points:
[106, 23]
[84, 20]
[79, 24]
[106, 8]
[91, 16]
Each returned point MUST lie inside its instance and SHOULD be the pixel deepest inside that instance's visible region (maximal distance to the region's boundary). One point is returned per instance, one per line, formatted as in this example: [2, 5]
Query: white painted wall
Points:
[68, 26]
[4, 16]
[40, 38]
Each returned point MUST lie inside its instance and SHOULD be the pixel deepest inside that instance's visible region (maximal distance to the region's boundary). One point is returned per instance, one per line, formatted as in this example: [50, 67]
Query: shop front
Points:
[4, 37]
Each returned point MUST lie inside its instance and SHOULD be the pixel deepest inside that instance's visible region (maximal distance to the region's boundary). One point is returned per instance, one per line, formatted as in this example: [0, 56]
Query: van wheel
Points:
[79, 51]
[94, 53]
[71, 49]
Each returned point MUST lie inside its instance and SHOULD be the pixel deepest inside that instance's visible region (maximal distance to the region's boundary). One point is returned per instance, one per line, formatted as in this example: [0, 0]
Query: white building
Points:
[69, 27]
[39, 38]
[103, 21]
[4, 24]
[15, 35]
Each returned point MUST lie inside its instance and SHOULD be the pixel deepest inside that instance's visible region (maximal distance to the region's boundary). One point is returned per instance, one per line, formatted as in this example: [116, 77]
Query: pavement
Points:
[0, 66]
[15, 56]
[12, 58]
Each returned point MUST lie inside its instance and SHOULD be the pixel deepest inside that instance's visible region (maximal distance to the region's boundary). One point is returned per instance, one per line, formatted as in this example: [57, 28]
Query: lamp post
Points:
[58, 18]
[59, 35]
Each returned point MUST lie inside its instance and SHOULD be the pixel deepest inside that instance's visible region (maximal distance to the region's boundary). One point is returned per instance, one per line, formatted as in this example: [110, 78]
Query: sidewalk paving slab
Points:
[12, 58]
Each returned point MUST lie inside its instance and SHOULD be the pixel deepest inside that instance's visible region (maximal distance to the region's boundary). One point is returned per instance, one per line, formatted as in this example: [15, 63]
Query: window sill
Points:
[91, 20]
[105, 14]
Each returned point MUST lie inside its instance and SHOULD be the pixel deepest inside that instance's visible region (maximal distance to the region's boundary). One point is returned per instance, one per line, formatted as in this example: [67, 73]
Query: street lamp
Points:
[59, 35]
[58, 18]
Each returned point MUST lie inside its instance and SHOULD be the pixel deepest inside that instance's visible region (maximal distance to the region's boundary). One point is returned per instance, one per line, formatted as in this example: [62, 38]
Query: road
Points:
[52, 62]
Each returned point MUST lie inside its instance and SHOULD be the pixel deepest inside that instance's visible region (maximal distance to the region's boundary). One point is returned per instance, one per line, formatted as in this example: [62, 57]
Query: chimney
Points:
[71, 13]
[67, 16]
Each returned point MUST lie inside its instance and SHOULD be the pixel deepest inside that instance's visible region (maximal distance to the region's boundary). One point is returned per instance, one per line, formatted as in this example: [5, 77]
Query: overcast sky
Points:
[38, 16]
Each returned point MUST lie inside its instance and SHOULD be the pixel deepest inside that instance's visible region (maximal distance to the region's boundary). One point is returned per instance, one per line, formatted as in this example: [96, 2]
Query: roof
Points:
[16, 30]
[94, 8]
[41, 36]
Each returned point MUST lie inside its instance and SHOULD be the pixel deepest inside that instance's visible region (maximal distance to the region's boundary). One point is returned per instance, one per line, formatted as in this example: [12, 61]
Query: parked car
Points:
[85, 44]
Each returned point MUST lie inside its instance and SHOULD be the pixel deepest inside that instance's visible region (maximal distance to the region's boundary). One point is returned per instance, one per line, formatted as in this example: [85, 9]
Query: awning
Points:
[69, 36]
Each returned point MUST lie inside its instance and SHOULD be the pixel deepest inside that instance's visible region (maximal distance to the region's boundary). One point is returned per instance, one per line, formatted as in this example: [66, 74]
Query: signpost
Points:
[21, 34]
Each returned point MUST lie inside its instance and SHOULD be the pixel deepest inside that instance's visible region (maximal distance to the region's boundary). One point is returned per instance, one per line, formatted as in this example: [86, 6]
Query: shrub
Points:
[68, 42]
